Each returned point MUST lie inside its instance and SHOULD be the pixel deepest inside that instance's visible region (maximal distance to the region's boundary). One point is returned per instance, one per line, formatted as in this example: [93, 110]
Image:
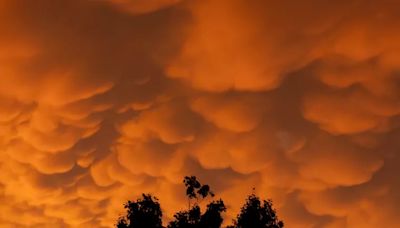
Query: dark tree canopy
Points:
[257, 214]
[145, 212]
[186, 219]
[212, 217]
[193, 218]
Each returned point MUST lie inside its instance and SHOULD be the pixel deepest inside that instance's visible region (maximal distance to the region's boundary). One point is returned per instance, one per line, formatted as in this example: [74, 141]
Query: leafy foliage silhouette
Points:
[146, 212]
[257, 214]
[192, 218]
[194, 189]
[186, 219]
[212, 217]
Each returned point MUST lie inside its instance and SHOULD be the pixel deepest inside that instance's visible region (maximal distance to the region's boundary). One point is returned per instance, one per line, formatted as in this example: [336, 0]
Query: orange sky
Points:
[101, 100]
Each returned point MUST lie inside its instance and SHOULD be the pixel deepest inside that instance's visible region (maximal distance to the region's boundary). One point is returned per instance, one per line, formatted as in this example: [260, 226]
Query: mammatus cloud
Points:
[103, 100]
[143, 6]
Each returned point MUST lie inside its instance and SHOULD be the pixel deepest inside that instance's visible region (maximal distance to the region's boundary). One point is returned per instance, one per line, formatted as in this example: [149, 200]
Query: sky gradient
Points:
[101, 100]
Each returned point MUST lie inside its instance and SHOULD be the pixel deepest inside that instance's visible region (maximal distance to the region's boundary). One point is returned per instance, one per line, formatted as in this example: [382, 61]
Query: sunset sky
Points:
[101, 100]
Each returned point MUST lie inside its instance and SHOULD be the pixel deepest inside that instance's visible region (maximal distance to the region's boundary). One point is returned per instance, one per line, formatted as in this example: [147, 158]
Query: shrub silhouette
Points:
[146, 211]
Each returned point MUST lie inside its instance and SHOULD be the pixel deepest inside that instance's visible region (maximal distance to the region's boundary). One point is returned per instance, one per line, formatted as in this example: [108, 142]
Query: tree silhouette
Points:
[187, 219]
[257, 214]
[192, 218]
[212, 217]
[145, 212]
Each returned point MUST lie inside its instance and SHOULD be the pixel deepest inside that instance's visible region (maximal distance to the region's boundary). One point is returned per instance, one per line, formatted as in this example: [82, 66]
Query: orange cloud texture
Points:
[102, 100]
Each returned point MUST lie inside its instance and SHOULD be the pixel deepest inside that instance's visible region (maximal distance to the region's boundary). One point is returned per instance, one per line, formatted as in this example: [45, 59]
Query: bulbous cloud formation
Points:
[143, 6]
[103, 100]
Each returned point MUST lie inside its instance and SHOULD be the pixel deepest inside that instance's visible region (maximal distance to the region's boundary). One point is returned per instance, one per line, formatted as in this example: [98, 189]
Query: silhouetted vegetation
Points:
[257, 214]
[192, 218]
[146, 211]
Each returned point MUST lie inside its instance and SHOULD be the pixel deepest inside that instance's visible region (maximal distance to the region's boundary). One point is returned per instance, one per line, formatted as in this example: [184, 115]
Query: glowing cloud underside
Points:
[103, 100]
